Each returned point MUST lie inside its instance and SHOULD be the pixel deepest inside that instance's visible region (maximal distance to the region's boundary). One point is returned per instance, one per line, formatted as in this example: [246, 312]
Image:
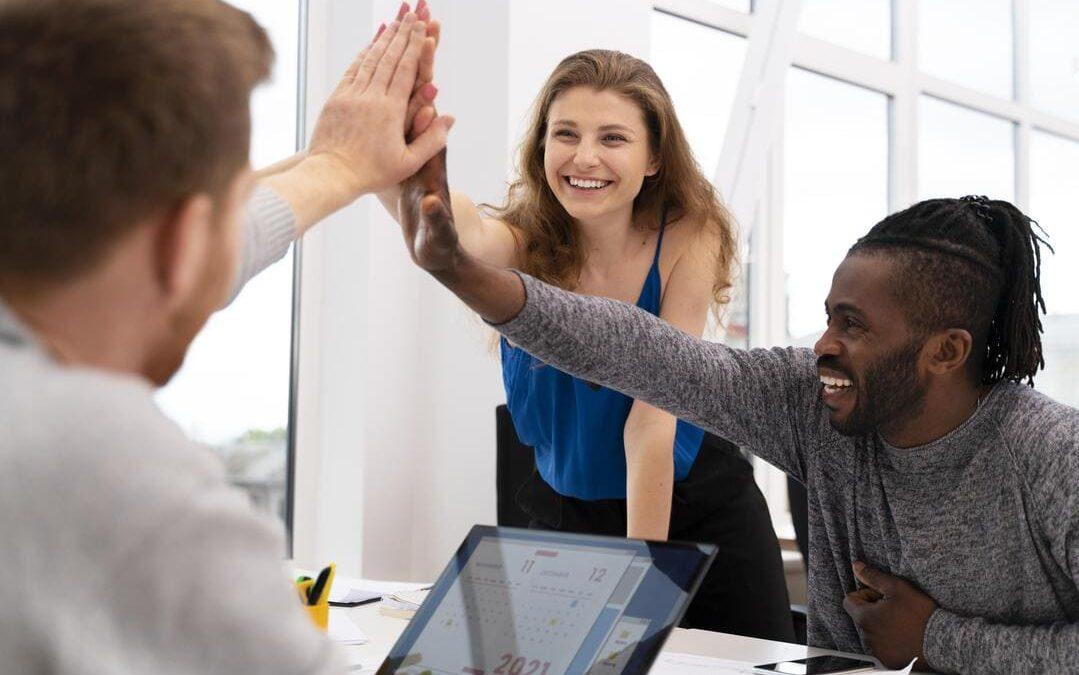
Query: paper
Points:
[343, 630]
[351, 589]
[673, 663]
[410, 600]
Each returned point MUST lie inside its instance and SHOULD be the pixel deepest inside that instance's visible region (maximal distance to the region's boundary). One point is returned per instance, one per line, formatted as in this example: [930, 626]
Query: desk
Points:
[383, 631]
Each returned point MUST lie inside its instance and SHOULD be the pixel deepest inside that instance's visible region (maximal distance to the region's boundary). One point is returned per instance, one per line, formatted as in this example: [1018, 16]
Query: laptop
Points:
[531, 602]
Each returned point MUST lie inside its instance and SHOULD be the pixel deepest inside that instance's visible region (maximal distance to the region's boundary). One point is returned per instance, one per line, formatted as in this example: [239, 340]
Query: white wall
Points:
[396, 443]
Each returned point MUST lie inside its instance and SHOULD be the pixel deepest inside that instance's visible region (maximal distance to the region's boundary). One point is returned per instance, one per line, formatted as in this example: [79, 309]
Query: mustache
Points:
[831, 363]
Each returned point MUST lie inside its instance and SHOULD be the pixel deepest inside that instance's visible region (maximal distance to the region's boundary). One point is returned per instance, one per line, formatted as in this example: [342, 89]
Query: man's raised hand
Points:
[427, 217]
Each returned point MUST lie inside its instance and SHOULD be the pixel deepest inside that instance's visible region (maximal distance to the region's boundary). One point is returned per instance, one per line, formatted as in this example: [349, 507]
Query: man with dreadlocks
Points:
[944, 515]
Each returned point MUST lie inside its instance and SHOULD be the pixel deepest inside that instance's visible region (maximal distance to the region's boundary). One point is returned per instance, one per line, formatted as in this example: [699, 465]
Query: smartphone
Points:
[818, 665]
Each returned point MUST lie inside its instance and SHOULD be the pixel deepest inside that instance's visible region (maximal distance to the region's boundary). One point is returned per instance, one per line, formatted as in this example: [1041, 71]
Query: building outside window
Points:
[233, 391]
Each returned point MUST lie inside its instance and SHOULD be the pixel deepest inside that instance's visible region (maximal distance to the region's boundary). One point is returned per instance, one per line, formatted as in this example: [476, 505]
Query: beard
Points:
[890, 393]
[208, 295]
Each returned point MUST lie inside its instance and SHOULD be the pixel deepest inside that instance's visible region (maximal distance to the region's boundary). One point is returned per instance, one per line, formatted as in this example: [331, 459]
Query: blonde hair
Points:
[551, 248]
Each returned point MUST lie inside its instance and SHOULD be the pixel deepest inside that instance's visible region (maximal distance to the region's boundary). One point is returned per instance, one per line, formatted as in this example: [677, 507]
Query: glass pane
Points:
[233, 390]
[1054, 56]
[861, 25]
[1054, 182]
[836, 187]
[679, 46]
[745, 6]
[963, 152]
[968, 42]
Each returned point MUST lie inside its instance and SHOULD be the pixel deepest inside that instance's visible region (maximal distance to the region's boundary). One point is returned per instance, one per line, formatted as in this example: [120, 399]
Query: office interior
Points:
[354, 398]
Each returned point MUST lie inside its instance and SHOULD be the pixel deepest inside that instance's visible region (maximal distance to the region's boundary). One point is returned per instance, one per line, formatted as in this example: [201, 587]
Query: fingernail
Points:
[381, 29]
[858, 565]
[430, 91]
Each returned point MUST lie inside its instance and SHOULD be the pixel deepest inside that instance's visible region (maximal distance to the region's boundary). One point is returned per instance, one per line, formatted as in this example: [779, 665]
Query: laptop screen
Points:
[529, 602]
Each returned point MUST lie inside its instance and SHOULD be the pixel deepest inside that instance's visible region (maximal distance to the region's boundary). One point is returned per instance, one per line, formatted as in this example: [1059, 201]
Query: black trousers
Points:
[745, 591]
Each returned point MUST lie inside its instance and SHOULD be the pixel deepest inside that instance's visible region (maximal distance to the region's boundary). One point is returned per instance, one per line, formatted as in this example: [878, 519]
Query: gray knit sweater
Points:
[984, 520]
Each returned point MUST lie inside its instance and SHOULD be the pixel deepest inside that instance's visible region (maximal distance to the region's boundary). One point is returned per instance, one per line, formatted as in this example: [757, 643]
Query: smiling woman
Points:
[609, 202]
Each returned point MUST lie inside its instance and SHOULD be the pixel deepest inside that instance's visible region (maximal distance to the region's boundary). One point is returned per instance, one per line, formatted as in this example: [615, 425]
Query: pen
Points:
[322, 583]
[304, 587]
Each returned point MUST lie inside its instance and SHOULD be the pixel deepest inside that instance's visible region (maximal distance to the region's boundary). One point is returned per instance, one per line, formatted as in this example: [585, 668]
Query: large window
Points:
[835, 187]
[976, 97]
[861, 25]
[1054, 57]
[968, 42]
[233, 391]
[1054, 171]
[962, 151]
[703, 113]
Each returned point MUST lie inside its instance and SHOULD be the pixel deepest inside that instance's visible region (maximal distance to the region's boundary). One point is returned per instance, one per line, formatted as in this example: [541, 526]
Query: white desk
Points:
[383, 631]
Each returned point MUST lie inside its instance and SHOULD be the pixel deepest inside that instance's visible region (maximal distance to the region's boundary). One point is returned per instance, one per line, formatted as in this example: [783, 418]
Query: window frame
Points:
[904, 84]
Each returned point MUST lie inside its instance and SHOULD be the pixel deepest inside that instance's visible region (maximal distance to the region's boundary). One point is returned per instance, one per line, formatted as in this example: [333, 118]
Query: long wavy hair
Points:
[549, 244]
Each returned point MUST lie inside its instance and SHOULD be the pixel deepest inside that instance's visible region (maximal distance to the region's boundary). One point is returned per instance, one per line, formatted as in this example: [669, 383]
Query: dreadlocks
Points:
[971, 263]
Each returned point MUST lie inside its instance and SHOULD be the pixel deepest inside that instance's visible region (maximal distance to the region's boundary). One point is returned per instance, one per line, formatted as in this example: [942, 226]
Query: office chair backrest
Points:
[514, 464]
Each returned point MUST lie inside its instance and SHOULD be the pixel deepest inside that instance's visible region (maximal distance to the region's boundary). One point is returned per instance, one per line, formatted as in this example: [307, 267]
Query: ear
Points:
[948, 351]
[653, 167]
[183, 240]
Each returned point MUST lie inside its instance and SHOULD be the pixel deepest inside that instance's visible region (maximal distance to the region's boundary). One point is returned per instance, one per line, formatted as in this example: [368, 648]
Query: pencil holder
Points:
[320, 614]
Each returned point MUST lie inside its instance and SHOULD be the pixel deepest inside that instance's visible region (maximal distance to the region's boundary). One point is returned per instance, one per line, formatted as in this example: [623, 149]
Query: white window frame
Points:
[904, 84]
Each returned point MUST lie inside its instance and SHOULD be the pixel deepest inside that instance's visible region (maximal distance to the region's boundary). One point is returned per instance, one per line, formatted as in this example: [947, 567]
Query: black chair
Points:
[514, 464]
[799, 504]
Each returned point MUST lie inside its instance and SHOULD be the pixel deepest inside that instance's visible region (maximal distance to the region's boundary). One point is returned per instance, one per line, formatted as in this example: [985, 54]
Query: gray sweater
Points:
[985, 520]
[123, 547]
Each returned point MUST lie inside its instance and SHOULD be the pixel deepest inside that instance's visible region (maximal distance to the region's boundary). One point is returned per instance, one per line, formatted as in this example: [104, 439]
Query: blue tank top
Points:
[575, 426]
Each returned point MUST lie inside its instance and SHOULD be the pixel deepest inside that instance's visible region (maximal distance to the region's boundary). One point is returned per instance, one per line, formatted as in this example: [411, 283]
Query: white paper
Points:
[351, 589]
[344, 630]
[673, 663]
[410, 600]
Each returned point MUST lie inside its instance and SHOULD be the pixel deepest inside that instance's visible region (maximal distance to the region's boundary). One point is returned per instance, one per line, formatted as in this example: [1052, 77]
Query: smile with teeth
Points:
[834, 384]
[587, 183]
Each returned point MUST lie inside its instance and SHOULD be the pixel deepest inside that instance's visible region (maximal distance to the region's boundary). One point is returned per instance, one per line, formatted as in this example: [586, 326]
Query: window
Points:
[1054, 182]
[744, 6]
[679, 47]
[963, 152]
[1054, 57]
[862, 25]
[968, 42]
[835, 187]
[859, 139]
[233, 391]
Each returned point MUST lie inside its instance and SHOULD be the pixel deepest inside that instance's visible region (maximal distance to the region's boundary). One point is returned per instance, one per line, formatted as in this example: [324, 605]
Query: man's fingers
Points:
[372, 55]
[874, 578]
[403, 78]
[350, 74]
[430, 142]
[392, 56]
